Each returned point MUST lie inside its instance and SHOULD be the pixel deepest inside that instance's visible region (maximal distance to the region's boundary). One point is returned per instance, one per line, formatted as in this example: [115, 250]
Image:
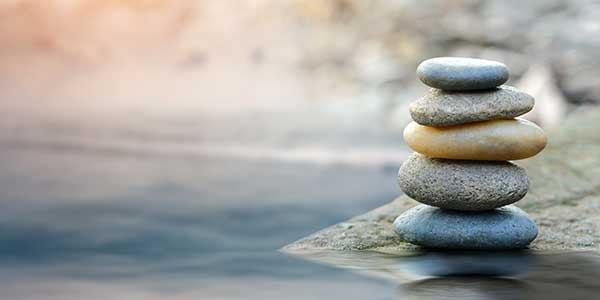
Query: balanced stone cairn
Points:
[465, 132]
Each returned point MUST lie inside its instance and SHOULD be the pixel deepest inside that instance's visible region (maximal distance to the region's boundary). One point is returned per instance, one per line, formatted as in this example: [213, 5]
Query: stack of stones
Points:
[465, 132]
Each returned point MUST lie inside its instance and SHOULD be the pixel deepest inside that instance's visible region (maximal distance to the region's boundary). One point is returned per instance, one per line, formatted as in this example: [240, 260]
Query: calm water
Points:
[80, 222]
[106, 223]
[476, 275]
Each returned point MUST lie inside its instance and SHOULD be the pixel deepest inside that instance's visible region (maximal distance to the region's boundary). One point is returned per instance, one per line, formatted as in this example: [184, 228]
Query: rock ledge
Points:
[564, 199]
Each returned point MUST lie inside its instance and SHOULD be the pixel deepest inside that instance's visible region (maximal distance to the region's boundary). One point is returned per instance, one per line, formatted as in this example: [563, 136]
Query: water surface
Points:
[476, 274]
[119, 223]
[90, 222]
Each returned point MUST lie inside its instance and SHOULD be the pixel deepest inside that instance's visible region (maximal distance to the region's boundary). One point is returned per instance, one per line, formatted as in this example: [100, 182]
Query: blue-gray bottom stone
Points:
[507, 227]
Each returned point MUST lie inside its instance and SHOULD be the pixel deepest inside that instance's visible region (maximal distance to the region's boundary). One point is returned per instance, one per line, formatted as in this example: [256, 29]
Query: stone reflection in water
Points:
[467, 288]
[466, 275]
[508, 263]
[476, 275]
[408, 266]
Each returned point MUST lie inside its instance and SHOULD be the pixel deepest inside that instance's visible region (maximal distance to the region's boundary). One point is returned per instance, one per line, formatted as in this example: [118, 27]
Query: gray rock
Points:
[444, 108]
[462, 184]
[462, 74]
[503, 228]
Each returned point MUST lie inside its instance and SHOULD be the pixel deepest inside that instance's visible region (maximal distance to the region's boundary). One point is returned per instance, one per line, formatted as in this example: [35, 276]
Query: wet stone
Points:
[462, 74]
[503, 228]
[462, 184]
[445, 108]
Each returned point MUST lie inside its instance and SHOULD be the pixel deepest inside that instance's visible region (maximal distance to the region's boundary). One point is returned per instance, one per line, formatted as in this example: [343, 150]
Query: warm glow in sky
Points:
[111, 57]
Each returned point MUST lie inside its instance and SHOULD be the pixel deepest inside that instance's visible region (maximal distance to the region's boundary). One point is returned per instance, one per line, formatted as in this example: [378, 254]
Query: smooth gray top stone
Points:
[462, 184]
[445, 108]
[507, 227]
[462, 74]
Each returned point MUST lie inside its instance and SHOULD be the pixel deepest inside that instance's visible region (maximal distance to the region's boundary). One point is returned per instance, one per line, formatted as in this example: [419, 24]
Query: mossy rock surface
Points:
[563, 199]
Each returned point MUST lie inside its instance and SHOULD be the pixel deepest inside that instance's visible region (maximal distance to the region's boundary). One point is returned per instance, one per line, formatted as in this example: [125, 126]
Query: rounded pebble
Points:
[490, 140]
[462, 74]
[462, 184]
[445, 108]
[503, 228]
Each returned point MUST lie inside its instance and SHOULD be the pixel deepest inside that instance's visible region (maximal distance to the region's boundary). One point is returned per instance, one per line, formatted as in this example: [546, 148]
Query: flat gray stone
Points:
[462, 74]
[445, 108]
[507, 227]
[563, 199]
[462, 184]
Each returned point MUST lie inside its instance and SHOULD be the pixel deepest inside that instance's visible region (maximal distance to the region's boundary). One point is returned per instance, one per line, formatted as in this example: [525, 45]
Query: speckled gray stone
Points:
[462, 184]
[462, 74]
[444, 108]
[503, 228]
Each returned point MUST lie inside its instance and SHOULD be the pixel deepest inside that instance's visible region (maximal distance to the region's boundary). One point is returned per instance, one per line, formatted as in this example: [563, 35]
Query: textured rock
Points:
[444, 108]
[490, 140]
[462, 184]
[503, 228]
[462, 74]
[563, 199]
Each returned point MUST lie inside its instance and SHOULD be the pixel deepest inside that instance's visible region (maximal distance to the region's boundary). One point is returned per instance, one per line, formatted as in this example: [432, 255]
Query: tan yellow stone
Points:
[491, 140]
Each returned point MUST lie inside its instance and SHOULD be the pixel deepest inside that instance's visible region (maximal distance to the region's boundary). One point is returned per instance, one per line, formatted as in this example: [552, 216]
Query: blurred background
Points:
[153, 139]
